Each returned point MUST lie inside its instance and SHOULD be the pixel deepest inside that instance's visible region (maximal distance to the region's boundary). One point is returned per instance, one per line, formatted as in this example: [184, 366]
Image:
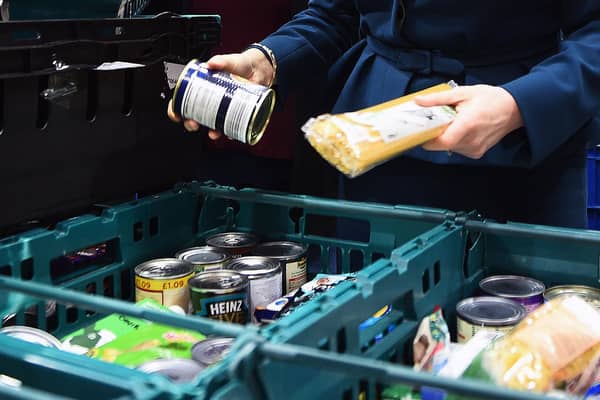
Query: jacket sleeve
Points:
[562, 93]
[312, 41]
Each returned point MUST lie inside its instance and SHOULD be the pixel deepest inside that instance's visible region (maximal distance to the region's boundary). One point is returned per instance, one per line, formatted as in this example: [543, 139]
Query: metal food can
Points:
[164, 280]
[219, 100]
[264, 275]
[221, 295]
[590, 294]
[495, 314]
[32, 335]
[236, 244]
[178, 370]
[204, 258]
[211, 350]
[293, 258]
[527, 291]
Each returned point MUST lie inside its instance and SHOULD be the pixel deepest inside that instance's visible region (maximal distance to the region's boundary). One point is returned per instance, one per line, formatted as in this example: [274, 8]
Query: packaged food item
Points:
[355, 142]
[552, 346]
[164, 280]
[495, 314]
[293, 258]
[524, 290]
[212, 350]
[588, 293]
[204, 258]
[107, 329]
[32, 335]
[178, 370]
[431, 344]
[150, 342]
[399, 392]
[588, 378]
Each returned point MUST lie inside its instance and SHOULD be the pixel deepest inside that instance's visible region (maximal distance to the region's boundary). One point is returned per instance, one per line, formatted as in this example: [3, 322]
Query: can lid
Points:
[202, 255]
[218, 281]
[254, 267]
[231, 240]
[176, 369]
[511, 286]
[490, 311]
[211, 350]
[167, 268]
[590, 294]
[32, 335]
[280, 250]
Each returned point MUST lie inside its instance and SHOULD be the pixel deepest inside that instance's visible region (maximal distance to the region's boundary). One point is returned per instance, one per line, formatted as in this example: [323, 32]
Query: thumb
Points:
[232, 63]
[447, 97]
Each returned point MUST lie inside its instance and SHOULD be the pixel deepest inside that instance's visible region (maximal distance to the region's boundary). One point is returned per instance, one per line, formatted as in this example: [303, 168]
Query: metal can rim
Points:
[181, 255]
[205, 344]
[516, 277]
[253, 135]
[509, 321]
[192, 283]
[236, 265]
[302, 247]
[254, 240]
[179, 365]
[573, 290]
[15, 330]
[138, 270]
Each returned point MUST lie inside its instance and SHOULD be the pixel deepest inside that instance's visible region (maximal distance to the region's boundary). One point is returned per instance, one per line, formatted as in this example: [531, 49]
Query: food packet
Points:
[355, 142]
[552, 346]
[431, 345]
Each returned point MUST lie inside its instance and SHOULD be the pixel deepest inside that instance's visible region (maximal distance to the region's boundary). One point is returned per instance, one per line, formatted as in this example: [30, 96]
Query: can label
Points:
[167, 292]
[263, 291]
[229, 308]
[295, 275]
[466, 330]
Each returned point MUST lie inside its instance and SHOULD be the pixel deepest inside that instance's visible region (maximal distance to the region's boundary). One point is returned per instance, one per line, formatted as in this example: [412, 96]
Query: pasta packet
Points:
[355, 142]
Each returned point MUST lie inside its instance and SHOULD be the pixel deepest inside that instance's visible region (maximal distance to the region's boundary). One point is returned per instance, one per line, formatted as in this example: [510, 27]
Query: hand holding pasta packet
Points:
[355, 142]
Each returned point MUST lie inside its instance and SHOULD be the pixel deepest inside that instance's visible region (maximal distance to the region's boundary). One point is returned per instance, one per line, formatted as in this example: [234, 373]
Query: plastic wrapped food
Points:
[431, 345]
[355, 142]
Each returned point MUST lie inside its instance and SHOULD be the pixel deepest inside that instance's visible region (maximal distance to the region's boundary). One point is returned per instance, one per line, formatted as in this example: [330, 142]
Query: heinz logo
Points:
[225, 307]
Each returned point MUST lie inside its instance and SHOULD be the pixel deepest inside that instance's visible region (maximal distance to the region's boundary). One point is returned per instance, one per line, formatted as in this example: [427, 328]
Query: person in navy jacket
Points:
[528, 101]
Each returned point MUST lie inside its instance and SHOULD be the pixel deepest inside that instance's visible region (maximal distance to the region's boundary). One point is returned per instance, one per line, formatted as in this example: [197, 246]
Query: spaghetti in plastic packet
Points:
[355, 142]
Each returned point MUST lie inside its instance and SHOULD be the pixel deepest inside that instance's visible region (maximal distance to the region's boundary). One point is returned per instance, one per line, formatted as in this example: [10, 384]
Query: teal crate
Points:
[64, 9]
[160, 225]
[319, 351]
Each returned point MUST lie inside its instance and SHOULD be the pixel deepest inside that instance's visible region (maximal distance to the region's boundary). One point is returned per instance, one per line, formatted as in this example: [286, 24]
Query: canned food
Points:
[204, 258]
[221, 295]
[235, 244]
[494, 314]
[212, 350]
[32, 335]
[178, 370]
[590, 294]
[219, 100]
[164, 280]
[292, 257]
[526, 291]
[264, 275]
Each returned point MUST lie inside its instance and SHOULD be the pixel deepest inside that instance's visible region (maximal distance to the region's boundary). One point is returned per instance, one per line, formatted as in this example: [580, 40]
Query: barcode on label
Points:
[239, 114]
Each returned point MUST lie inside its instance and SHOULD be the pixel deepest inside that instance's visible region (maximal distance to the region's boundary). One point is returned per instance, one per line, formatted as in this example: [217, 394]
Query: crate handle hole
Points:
[138, 231]
[425, 281]
[437, 273]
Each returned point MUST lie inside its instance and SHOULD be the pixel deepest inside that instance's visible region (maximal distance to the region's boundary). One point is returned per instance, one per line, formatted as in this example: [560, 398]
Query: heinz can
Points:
[590, 294]
[178, 370]
[220, 295]
[494, 314]
[204, 258]
[292, 257]
[32, 335]
[264, 275]
[219, 100]
[236, 244]
[164, 280]
[211, 350]
[527, 291]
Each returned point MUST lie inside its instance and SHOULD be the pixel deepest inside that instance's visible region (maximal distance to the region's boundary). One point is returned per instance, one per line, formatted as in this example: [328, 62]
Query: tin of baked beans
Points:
[236, 244]
[178, 370]
[495, 314]
[527, 291]
[221, 295]
[590, 294]
[32, 335]
[204, 258]
[211, 350]
[164, 280]
[292, 256]
[265, 279]
[219, 100]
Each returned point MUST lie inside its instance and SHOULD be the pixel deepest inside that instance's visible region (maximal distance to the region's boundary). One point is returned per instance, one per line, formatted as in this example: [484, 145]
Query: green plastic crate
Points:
[313, 354]
[73, 9]
[158, 226]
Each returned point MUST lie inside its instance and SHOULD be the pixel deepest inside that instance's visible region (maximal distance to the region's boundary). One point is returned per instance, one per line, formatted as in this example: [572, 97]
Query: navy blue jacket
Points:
[546, 53]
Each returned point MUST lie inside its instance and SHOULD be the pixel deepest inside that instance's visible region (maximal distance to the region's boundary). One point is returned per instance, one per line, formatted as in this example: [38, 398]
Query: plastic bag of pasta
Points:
[355, 142]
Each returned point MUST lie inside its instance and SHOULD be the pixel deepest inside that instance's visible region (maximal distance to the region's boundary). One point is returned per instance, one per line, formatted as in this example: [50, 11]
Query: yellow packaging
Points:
[355, 142]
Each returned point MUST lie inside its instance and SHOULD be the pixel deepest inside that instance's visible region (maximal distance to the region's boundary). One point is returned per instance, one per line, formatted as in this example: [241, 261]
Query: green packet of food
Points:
[107, 329]
[148, 343]
[399, 392]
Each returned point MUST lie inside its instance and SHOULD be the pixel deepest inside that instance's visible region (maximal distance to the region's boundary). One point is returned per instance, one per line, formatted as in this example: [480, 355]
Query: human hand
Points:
[485, 115]
[251, 64]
